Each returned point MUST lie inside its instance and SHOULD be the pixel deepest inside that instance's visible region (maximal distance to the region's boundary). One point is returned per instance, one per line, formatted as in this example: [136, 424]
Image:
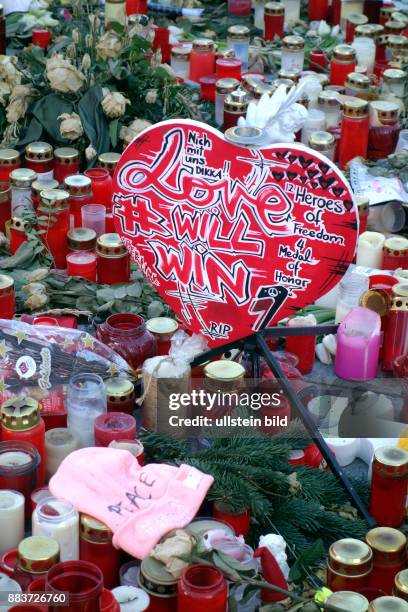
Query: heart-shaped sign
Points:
[233, 238]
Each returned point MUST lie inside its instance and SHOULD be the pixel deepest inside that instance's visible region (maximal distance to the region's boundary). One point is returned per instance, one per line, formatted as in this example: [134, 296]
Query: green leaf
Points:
[48, 109]
[114, 132]
[306, 560]
[134, 290]
[225, 568]
[249, 592]
[93, 119]
[120, 292]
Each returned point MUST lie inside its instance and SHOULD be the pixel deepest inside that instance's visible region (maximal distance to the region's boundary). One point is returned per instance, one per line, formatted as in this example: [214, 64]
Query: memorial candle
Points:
[389, 486]
[342, 63]
[66, 163]
[81, 580]
[293, 53]
[180, 61]
[202, 59]
[274, 20]
[9, 161]
[19, 463]
[11, 519]
[370, 250]
[354, 20]
[223, 87]
[58, 519]
[80, 193]
[114, 426]
[35, 557]
[133, 599]
[235, 106]
[109, 161]
[21, 181]
[7, 297]
[5, 206]
[354, 131]
[95, 546]
[390, 556]
[40, 185]
[39, 157]
[59, 443]
[101, 185]
[113, 260]
[228, 68]
[82, 263]
[53, 224]
[120, 395]
[202, 587]
[349, 565]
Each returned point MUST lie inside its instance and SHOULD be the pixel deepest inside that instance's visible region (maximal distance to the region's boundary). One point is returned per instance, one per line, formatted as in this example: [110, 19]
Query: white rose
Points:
[90, 153]
[86, 62]
[133, 130]
[8, 70]
[114, 104]
[63, 76]
[151, 96]
[5, 91]
[19, 101]
[70, 126]
[108, 46]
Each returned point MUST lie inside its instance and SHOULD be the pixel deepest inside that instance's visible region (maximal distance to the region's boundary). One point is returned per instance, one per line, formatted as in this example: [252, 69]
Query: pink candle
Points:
[358, 345]
[114, 426]
[82, 263]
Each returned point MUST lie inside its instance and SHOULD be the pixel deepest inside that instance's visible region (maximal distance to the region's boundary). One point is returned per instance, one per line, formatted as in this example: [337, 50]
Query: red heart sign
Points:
[233, 238]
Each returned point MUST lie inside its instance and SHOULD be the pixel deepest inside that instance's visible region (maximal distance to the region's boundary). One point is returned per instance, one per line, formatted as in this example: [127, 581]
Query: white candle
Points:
[370, 250]
[7, 585]
[14, 458]
[59, 443]
[11, 519]
[292, 11]
[315, 122]
[365, 50]
[59, 520]
[131, 599]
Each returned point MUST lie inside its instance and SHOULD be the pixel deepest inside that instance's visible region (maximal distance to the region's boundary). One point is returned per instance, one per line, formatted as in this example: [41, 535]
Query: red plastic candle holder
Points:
[101, 182]
[114, 426]
[240, 522]
[19, 466]
[202, 588]
[127, 335]
[83, 581]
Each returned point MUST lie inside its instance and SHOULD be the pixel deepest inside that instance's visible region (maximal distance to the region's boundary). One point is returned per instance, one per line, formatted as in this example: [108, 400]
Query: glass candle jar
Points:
[41, 37]
[133, 599]
[38, 496]
[358, 85]
[7, 297]
[113, 260]
[81, 239]
[207, 87]
[180, 61]
[86, 399]
[395, 44]
[292, 12]
[228, 68]
[40, 158]
[239, 7]
[83, 264]
[120, 395]
[223, 376]
[347, 600]
[223, 87]
[354, 131]
[330, 105]
[66, 163]
[114, 426]
[202, 59]
[353, 21]
[342, 63]
[35, 556]
[323, 142]
[58, 519]
[9, 161]
[17, 234]
[389, 486]
[394, 83]
[53, 224]
[115, 12]
[370, 249]
[127, 335]
[21, 422]
[80, 193]
[160, 585]
[40, 185]
[59, 443]
[349, 565]
[395, 341]
[101, 185]
[82, 580]
[235, 106]
[108, 161]
[400, 588]
[95, 546]
[389, 548]
[293, 53]
[202, 588]
[11, 519]
[21, 181]
[274, 20]
[162, 328]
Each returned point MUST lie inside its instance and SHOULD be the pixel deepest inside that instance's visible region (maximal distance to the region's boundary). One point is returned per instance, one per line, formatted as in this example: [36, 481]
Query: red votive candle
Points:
[202, 588]
[318, 10]
[127, 335]
[136, 7]
[390, 556]
[66, 163]
[39, 157]
[82, 263]
[228, 68]
[95, 546]
[202, 59]
[162, 41]
[274, 18]
[163, 329]
[41, 37]
[342, 63]
[120, 393]
[239, 7]
[101, 184]
[109, 161]
[81, 580]
[80, 193]
[5, 205]
[354, 20]
[7, 297]
[113, 260]
[113, 426]
[207, 87]
[354, 131]
[19, 463]
[54, 224]
[240, 521]
[318, 60]
[17, 234]
[349, 565]
[389, 486]
[9, 161]
[235, 106]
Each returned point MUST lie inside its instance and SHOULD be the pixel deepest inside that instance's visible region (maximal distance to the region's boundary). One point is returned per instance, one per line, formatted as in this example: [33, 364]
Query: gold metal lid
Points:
[225, 86]
[393, 75]
[344, 53]
[387, 10]
[236, 102]
[396, 27]
[224, 370]
[20, 414]
[355, 107]
[357, 80]
[348, 601]
[350, 556]
[37, 554]
[357, 19]
[321, 141]
[81, 239]
[386, 540]
[155, 572]
[377, 300]
[388, 604]
[94, 531]
[22, 178]
[5, 192]
[396, 42]
[78, 184]
[181, 52]
[397, 246]
[110, 245]
[238, 32]
[203, 44]
[39, 151]
[329, 98]
[399, 16]
[119, 388]
[109, 160]
[293, 42]
[8, 156]
[54, 199]
[401, 581]
[66, 155]
[391, 462]
[162, 325]
[265, 88]
[274, 8]
[292, 75]
[400, 290]
[40, 185]
[369, 30]
[6, 284]
[399, 303]
[225, 53]
[249, 83]
[275, 84]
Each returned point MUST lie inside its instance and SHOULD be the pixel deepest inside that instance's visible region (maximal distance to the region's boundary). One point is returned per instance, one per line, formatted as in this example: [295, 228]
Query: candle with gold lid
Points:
[386, 12]
[354, 131]
[349, 565]
[17, 233]
[59, 442]
[109, 161]
[293, 53]
[274, 17]
[390, 555]
[9, 161]
[395, 44]
[389, 486]
[40, 158]
[202, 59]
[79, 188]
[388, 604]
[54, 224]
[40, 185]
[238, 40]
[81, 239]
[358, 85]
[66, 163]
[268, 88]
[95, 545]
[395, 342]
[348, 600]
[35, 556]
[323, 142]
[401, 585]
[395, 251]
[235, 106]
[7, 297]
[113, 260]
[180, 61]
[384, 129]
[394, 27]
[329, 103]
[162, 328]
[223, 87]
[353, 20]
[120, 393]
[394, 82]
[21, 181]
[342, 63]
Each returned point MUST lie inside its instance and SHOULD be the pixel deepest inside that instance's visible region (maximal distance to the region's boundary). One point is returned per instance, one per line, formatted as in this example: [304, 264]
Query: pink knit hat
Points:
[140, 504]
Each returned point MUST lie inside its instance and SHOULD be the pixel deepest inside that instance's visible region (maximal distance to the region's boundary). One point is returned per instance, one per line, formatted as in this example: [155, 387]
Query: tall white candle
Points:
[131, 599]
[292, 11]
[59, 520]
[315, 122]
[365, 50]
[370, 249]
[11, 519]
[59, 443]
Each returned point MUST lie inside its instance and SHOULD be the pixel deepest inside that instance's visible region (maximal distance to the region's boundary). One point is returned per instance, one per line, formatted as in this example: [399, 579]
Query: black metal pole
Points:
[312, 429]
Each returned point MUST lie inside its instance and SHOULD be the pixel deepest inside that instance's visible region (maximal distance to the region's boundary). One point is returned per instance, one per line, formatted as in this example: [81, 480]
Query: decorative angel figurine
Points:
[279, 115]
